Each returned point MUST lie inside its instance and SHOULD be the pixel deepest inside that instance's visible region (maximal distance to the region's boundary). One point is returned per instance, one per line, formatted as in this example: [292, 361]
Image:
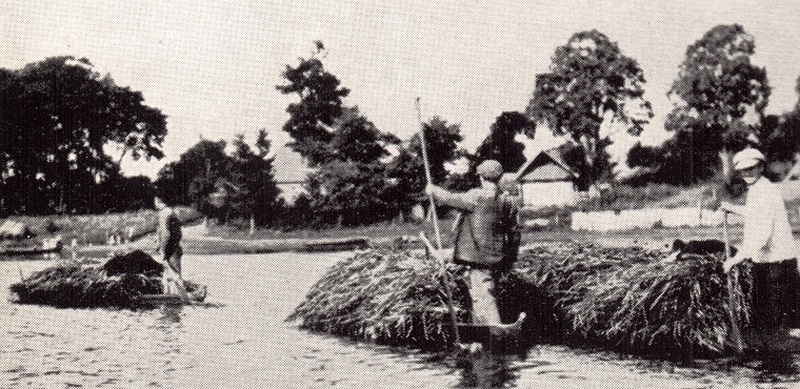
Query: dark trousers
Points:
[776, 295]
[172, 255]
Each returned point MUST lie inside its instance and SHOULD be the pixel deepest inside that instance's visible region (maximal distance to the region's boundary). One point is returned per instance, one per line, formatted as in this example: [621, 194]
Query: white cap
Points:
[747, 158]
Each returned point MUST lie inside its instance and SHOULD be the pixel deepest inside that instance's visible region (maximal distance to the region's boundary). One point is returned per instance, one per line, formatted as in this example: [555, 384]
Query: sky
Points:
[212, 67]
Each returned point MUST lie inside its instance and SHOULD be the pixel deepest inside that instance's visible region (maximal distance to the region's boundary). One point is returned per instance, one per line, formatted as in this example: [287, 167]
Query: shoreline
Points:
[195, 243]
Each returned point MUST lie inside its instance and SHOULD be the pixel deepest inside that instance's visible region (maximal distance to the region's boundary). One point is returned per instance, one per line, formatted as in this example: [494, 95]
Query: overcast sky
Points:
[212, 67]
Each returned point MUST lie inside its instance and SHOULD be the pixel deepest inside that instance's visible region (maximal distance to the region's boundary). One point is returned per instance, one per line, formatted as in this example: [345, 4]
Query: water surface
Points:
[240, 339]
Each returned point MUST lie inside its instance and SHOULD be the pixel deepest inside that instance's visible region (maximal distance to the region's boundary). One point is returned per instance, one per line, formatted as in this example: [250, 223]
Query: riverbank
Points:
[88, 236]
[195, 242]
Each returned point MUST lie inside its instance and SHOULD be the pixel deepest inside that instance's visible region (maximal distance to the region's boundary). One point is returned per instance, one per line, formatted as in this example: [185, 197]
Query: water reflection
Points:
[485, 368]
[776, 366]
[171, 313]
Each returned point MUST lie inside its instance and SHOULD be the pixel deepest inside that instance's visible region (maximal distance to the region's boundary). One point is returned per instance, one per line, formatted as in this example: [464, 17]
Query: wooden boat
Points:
[195, 293]
[344, 244]
[486, 333]
[29, 251]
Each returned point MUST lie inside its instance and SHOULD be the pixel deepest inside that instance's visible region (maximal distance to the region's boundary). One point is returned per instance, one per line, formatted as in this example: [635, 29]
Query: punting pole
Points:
[448, 295]
[736, 335]
[428, 178]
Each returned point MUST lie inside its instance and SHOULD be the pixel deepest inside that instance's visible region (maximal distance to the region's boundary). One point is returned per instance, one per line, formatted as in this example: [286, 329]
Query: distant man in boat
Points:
[769, 243]
[480, 243]
[168, 235]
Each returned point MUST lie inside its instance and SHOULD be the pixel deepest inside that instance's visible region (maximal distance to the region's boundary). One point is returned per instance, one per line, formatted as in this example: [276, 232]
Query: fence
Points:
[649, 218]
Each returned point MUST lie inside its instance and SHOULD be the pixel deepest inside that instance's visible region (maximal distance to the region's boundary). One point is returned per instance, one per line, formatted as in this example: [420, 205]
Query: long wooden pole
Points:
[428, 178]
[736, 335]
[448, 295]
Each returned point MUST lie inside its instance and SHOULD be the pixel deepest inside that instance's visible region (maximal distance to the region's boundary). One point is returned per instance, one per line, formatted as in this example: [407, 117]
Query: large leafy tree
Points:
[58, 119]
[250, 182]
[407, 168]
[719, 98]
[352, 187]
[590, 81]
[352, 193]
[501, 144]
[194, 176]
[320, 105]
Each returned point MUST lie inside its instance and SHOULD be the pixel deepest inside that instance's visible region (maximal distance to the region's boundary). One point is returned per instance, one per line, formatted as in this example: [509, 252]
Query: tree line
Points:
[60, 116]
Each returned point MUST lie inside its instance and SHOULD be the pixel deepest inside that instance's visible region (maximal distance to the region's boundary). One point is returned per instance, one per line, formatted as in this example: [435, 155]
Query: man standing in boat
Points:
[481, 243]
[769, 243]
[168, 235]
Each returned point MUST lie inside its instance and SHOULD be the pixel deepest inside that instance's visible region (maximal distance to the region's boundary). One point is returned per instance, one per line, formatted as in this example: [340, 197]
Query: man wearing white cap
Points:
[769, 243]
[481, 242]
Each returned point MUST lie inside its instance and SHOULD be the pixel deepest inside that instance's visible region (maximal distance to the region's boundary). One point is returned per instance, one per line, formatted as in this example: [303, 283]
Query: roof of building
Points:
[547, 166]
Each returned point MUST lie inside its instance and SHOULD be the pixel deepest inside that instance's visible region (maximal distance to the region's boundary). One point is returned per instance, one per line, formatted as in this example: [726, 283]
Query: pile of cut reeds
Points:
[629, 299]
[625, 299]
[117, 283]
[388, 296]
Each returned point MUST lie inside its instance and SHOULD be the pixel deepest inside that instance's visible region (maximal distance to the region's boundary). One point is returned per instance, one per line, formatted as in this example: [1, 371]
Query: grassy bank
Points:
[95, 229]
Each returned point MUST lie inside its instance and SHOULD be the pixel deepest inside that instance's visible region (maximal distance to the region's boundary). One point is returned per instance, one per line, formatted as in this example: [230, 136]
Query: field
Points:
[96, 229]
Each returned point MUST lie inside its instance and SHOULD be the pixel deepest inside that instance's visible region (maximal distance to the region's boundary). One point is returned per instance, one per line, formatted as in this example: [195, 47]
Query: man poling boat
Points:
[482, 243]
[769, 243]
[168, 246]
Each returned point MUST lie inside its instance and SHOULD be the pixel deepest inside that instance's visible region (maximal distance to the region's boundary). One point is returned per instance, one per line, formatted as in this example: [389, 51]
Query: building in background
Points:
[546, 180]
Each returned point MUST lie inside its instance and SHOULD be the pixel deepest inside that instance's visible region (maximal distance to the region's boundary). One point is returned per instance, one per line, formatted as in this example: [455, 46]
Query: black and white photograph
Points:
[400, 194]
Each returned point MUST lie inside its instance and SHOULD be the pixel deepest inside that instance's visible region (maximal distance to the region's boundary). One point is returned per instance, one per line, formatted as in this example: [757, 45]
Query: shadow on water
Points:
[485, 369]
[776, 366]
[493, 364]
[170, 314]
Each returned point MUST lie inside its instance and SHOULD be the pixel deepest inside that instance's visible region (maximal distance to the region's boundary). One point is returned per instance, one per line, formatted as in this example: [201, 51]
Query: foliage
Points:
[251, 190]
[192, 178]
[720, 95]
[226, 187]
[58, 119]
[590, 82]
[351, 193]
[407, 168]
[319, 106]
[352, 187]
[780, 138]
[501, 146]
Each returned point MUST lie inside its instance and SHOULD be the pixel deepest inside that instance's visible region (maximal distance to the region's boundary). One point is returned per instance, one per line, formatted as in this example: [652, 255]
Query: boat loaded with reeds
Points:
[124, 281]
[625, 299]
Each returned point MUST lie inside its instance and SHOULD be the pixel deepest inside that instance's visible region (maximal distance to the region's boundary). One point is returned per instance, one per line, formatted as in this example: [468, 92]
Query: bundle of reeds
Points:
[626, 299]
[388, 296]
[631, 300]
[117, 283]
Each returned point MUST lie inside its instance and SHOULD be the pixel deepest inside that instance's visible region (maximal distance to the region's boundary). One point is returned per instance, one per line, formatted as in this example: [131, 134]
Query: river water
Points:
[239, 339]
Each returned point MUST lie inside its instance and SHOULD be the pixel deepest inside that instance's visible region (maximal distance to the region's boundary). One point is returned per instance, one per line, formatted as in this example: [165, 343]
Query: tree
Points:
[121, 194]
[719, 97]
[319, 106]
[193, 177]
[58, 119]
[590, 81]
[407, 168]
[252, 190]
[501, 144]
[352, 186]
[352, 193]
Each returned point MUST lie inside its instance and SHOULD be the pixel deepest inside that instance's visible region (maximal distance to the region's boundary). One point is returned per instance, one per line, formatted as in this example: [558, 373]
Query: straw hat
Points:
[747, 158]
[490, 170]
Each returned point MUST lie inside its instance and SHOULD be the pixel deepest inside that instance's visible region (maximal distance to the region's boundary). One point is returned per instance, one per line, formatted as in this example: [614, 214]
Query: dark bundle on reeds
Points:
[630, 300]
[387, 296]
[117, 283]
